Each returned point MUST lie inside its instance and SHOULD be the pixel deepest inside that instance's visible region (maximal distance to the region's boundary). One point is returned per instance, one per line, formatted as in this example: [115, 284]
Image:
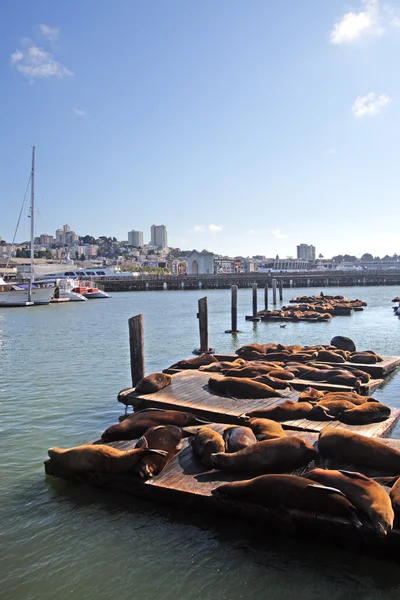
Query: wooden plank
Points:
[136, 345]
[365, 389]
[203, 324]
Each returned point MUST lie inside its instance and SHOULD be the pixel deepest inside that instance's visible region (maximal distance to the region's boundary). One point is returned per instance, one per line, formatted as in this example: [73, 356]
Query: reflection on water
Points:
[62, 367]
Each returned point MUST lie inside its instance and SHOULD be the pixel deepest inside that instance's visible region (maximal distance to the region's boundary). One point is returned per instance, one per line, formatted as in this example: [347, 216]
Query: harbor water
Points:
[61, 368]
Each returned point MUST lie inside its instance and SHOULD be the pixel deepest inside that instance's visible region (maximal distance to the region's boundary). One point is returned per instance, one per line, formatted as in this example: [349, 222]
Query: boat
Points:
[90, 292]
[64, 289]
[27, 293]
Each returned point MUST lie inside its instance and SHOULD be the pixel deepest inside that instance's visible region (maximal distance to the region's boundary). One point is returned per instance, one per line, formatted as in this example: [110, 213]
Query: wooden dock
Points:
[186, 483]
[189, 392]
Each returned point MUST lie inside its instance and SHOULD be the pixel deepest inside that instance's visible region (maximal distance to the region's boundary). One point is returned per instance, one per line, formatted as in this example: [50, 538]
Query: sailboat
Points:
[30, 293]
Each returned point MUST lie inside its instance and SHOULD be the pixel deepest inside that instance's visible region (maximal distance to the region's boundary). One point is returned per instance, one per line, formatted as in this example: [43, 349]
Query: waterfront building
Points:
[306, 252]
[135, 238]
[159, 236]
[282, 264]
[200, 263]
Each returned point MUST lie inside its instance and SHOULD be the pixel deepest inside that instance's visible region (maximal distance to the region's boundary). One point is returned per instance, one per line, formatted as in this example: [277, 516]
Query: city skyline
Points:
[275, 131]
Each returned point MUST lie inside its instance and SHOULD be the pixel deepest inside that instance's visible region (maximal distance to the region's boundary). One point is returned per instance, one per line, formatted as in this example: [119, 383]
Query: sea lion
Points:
[395, 497]
[330, 356]
[207, 442]
[249, 371]
[344, 343]
[363, 376]
[311, 395]
[364, 493]
[353, 397]
[370, 412]
[163, 437]
[99, 457]
[278, 455]
[266, 429]
[320, 413]
[237, 387]
[137, 424]
[274, 382]
[194, 363]
[303, 356]
[286, 411]
[334, 407]
[221, 365]
[254, 350]
[346, 446]
[281, 374]
[363, 358]
[153, 383]
[290, 492]
[236, 438]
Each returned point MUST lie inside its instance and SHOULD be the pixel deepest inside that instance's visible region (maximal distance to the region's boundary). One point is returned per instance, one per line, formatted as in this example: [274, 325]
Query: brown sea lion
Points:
[344, 343]
[207, 442]
[320, 413]
[290, 492]
[281, 374]
[330, 357]
[334, 407]
[221, 365]
[278, 455]
[153, 383]
[353, 397]
[162, 437]
[249, 371]
[194, 363]
[254, 350]
[370, 412]
[363, 376]
[236, 387]
[266, 429]
[364, 493]
[346, 446]
[363, 359]
[286, 411]
[303, 356]
[274, 382]
[236, 438]
[135, 425]
[395, 497]
[311, 395]
[99, 457]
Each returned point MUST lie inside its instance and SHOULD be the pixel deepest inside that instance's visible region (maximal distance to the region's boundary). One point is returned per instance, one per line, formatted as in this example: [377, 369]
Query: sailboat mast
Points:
[32, 221]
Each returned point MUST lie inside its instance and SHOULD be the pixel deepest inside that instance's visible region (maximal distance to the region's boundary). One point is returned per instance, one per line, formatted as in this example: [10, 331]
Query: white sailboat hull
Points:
[20, 297]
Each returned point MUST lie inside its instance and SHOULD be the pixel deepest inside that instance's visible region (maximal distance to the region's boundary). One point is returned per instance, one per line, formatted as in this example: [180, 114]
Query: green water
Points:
[61, 368]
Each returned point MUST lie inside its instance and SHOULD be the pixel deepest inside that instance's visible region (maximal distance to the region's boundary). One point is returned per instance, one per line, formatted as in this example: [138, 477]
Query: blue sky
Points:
[244, 127]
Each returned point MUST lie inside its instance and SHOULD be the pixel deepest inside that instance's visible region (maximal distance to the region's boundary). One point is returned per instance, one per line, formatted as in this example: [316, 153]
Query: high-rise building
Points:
[135, 238]
[159, 236]
[306, 252]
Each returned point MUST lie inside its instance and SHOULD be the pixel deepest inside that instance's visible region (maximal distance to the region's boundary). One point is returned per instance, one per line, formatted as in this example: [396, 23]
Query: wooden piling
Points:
[281, 290]
[203, 324]
[234, 289]
[254, 286]
[136, 345]
[266, 296]
[274, 292]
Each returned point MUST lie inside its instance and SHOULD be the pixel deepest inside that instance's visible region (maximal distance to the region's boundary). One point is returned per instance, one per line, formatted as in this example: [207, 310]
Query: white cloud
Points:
[277, 233]
[355, 25]
[36, 63]
[80, 113]
[50, 33]
[215, 228]
[198, 228]
[370, 104]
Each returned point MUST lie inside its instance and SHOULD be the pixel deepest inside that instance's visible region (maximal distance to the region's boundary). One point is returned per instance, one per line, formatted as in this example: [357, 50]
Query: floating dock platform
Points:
[189, 392]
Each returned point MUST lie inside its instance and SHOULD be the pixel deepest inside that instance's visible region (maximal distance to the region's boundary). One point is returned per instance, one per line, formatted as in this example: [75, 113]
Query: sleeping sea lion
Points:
[278, 455]
[353, 397]
[281, 374]
[290, 492]
[310, 394]
[346, 446]
[135, 425]
[286, 411]
[344, 343]
[274, 382]
[320, 413]
[194, 363]
[153, 383]
[370, 412]
[163, 437]
[221, 365]
[364, 493]
[254, 350]
[207, 442]
[237, 387]
[266, 429]
[249, 371]
[330, 356]
[363, 358]
[334, 407]
[99, 457]
[363, 376]
[236, 438]
[395, 496]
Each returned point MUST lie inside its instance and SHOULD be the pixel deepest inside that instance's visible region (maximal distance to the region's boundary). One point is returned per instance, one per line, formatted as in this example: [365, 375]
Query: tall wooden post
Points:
[136, 345]
[234, 289]
[203, 324]
[274, 292]
[266, 296]
[281, 290]
[254, 286]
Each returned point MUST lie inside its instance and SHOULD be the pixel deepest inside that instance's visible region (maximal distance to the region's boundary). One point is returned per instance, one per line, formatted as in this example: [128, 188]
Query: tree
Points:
[83, 257]
[49, 254]
[366, 257]
[18, 253]
[76, 255]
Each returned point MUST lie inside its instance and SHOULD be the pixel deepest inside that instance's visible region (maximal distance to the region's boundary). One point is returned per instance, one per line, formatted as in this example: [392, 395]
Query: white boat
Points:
[64, 289]
[27, 293]
[90, 292]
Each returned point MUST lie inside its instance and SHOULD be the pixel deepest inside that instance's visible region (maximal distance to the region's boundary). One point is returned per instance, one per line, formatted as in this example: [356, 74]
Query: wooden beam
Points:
[203, 324]
[136, 345]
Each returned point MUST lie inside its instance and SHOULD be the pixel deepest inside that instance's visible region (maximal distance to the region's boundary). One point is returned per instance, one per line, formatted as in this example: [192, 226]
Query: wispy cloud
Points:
[210, 228]
[34, 62]
[50, 33]
[370, 104]
[215, 228]
[277, 233]
[80, 113]
[373, 19]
